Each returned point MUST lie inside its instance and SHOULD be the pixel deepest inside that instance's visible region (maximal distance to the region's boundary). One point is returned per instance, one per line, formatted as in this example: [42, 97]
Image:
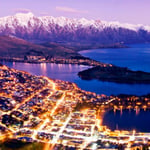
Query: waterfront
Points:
[125, 57]
[58, 113]
[135, 61]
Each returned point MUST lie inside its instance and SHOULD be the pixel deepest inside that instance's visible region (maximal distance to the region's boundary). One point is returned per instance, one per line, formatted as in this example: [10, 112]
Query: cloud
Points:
[21, 10]
[70, 10]
[44, 14]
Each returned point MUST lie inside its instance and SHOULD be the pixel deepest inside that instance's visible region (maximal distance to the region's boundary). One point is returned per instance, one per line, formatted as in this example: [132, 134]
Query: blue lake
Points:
[128, 120]
[137, 57]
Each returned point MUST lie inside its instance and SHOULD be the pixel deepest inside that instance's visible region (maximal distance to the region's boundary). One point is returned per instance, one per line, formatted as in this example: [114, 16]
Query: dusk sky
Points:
[130, 11]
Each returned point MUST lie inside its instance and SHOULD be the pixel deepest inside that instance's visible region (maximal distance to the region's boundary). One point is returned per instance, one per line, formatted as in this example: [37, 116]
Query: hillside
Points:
[12, 47]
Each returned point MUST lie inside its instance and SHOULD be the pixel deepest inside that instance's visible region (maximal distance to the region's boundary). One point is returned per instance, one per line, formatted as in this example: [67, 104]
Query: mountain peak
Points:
[24, 18]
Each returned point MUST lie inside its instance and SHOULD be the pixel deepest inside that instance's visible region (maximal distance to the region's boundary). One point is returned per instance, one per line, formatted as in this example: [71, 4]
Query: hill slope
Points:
[12, 47]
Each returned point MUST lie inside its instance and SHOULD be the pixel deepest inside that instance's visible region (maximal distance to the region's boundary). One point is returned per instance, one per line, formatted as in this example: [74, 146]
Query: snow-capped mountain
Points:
[48, 28]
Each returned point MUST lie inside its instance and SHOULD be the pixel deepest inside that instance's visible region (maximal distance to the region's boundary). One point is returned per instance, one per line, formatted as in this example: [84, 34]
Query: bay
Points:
[128, 120]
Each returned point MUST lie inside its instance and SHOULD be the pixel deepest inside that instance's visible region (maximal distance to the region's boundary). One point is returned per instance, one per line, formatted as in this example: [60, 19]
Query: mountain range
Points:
[62, 30]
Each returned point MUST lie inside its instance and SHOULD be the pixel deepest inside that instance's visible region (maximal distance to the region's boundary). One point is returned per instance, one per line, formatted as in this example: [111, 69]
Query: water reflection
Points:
[65, 72]
[44, 68]
[69, 73]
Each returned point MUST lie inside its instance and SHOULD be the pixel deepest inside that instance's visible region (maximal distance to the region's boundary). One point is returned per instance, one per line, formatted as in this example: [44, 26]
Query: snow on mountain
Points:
[28, 26]
[23, 19]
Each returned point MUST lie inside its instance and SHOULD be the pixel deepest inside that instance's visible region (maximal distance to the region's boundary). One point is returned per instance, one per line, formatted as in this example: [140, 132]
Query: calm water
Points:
[137, 57]
[128, 120]
[134, 58]
[55, 71]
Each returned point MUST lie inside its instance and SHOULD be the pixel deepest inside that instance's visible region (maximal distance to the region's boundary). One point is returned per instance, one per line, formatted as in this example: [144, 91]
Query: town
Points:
[58, 113]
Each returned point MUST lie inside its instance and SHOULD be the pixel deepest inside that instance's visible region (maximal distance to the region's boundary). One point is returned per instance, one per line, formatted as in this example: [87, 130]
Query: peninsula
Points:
[115, 74]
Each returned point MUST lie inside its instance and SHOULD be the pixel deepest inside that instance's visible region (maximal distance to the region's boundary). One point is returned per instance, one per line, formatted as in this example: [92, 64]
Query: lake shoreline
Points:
[100, 71]
[68, 72]
[115, 74]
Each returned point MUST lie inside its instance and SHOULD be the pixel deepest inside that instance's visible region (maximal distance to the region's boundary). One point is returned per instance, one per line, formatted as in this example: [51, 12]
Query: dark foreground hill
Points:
[12, 47]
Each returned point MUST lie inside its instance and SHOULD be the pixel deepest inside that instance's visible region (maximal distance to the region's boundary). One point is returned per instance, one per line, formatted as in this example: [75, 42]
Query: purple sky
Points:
[131, 11]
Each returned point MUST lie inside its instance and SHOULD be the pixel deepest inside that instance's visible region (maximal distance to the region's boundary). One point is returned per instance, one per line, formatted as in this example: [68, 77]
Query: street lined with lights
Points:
[57, 112]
